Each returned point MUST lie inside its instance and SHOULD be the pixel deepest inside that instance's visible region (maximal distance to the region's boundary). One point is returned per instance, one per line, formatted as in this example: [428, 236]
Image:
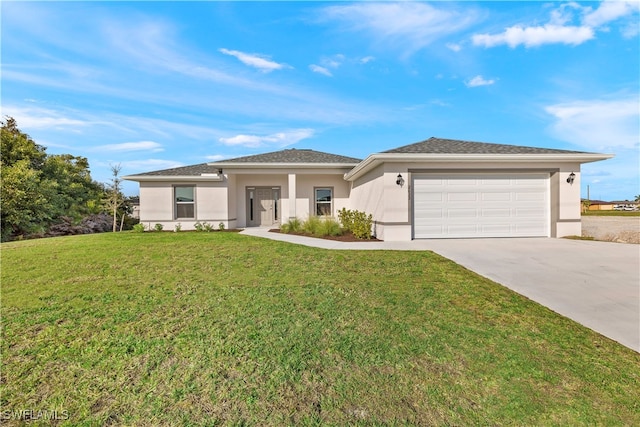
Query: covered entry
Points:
[263, 206]
[462, 205]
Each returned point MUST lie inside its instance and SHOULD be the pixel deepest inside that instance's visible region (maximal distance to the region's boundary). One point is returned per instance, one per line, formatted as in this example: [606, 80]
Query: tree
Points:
[77, 193]
[37, 189]
[114, 195]
[637, 199]
[26, 200]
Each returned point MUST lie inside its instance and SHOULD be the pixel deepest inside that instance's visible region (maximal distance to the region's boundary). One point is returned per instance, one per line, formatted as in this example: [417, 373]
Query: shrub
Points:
[330, 227]
[312, 225]
[198, 226]
[358, 223]
[292, 226]
[207, 227]
[158, 227]
[138, 228]
[178, 228]
[221, 226]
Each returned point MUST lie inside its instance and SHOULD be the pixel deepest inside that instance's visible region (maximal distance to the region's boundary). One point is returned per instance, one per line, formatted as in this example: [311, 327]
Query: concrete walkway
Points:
[594, 283]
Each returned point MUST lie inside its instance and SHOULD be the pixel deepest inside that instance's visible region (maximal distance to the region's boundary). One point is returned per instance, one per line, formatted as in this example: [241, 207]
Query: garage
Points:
[458, 205]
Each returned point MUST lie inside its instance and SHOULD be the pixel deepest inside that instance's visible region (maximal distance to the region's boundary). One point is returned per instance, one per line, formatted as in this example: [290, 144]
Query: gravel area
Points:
[622, 229]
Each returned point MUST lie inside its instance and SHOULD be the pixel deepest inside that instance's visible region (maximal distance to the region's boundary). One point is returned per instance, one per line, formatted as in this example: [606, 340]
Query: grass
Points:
[611, 213]
[224, 329]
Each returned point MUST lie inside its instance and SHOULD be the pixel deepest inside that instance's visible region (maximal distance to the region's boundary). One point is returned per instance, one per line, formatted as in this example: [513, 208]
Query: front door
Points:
[262, 206]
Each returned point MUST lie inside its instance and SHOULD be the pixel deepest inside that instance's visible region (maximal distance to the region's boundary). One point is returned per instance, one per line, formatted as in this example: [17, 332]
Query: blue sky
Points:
[154, 85]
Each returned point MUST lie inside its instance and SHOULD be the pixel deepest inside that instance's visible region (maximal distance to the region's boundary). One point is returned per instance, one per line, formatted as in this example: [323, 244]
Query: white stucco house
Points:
[438, 188]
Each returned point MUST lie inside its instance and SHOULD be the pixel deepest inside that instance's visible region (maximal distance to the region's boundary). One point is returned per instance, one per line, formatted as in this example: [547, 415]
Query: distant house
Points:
[438, 188]
[599, 205]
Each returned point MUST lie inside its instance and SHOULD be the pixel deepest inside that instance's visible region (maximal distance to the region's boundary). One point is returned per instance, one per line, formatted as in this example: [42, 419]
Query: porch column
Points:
[292, 195]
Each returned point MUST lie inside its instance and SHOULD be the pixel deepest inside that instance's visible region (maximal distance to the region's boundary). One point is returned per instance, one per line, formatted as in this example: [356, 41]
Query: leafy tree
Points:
[26, 200]
[16, 145]
[39, 190]
[114, 197]
[77, 193]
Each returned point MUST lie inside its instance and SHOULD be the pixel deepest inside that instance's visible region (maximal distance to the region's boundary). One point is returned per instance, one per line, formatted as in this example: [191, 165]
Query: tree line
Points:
[50, 195]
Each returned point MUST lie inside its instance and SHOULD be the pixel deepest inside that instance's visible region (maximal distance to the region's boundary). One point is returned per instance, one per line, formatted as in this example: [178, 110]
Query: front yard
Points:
[226, 329]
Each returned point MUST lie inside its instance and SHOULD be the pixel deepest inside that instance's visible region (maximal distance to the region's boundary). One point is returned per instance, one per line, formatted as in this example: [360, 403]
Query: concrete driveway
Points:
[594, 283]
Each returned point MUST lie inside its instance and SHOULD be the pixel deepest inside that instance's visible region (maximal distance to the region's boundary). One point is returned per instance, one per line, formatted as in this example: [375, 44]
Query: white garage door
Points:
[480, 205]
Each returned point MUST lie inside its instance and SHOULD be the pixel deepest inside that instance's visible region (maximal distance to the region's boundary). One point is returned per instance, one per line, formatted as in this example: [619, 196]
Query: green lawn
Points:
[225, 329]
[611, 213]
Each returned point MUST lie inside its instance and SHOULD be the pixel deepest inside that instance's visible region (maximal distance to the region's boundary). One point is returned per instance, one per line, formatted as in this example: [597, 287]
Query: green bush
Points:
[138, 228]
[312, 225]
[198, 226]
[178, 228]
[207, 227]
[158, 227]
[358, 223]
[221, 226]
[292, 226]
[329, 227]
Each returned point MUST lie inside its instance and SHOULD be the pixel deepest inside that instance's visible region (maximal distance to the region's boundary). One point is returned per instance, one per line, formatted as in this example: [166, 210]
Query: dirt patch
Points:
[618, 229]
[347, 237]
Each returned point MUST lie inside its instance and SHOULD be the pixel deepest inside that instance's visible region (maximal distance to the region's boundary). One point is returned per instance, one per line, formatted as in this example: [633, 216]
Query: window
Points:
[324, 201]
[185, 202]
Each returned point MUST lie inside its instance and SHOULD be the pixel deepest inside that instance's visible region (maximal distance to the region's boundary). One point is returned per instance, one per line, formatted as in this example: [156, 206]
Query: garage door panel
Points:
[462, 213]
[502, 196]
[491, 205]
[496, 213]
[462, 197]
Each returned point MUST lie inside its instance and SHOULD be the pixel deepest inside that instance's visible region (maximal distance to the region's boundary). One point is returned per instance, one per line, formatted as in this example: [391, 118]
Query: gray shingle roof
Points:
[195, 170]
[294, 155]
[451, 146]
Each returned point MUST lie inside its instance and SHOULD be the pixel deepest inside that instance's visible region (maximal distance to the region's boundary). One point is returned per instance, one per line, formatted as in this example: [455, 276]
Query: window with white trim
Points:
[324, 201]
[185, 202]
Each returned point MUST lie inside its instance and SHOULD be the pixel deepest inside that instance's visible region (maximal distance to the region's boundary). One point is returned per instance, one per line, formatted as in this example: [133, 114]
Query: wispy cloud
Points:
[479, 81]
[597, 124]
[535, 36]
[261, 62]
[320, 70]
[280, 139]
[366, 59]
[149, 146]
[454, 47]
[408, 26]
[559, 29]
[609, 11]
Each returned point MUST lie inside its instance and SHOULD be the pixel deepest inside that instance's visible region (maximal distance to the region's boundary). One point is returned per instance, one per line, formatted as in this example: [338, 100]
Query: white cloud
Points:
[320, 70]
[408, 26]
[559, 28]
[609, 11]
[334, 61]
[260, 62]
[454, 47]
[535, 36]
[479, 81]
[366, 59]
[280, 139]
[150, 146]
[597, 124]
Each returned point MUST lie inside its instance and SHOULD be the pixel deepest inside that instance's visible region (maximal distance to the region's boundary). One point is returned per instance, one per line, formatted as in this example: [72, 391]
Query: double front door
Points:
[263, 206]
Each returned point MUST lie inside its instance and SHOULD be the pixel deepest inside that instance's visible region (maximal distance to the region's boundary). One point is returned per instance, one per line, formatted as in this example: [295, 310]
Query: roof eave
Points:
[376, 159]
[242, 165]
[177, 178]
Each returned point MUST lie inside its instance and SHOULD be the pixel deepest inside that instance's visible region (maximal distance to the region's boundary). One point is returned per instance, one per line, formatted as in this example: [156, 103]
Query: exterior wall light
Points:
[400, 180]
[571, 178]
